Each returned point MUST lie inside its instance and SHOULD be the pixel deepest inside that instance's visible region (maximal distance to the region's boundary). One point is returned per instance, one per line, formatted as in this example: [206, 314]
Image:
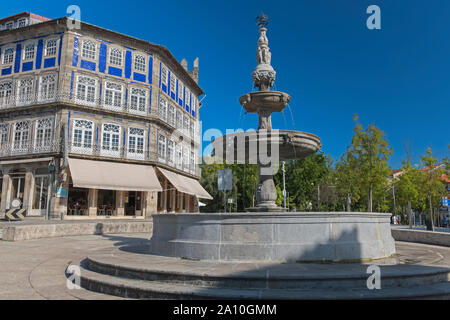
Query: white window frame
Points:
[164, 74]
[179, 156]
[140, 66]
[133, 152]
[85, 101]
[9, 25]
[87, 51]
[186, 152]
[162, 108]
[137, 101]
[82, 148]
[114, 93]
[171, 152]
[114, 60]
[22, 20]
[186, 125]
[6, 95]
[27, 55]
[43, 134]
[192, 162]
[162, 149]
[180, 90]
[173, 83]
[54, 50]
[47, 90]
[179, 120]
[10, 56]
[107, 147]
[22, 144]
[25, 94]
[4, 136]
[171, 110]
[188, 97]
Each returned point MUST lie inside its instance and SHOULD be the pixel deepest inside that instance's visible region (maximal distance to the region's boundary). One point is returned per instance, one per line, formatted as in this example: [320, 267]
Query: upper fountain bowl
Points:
[274, 101]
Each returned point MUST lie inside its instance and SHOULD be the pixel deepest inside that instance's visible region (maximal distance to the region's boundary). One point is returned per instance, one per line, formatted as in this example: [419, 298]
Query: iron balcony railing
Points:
[30, 147]
[10, 101]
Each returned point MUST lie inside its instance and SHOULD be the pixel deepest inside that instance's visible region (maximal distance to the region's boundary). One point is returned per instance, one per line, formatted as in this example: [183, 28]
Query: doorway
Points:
[133, 203]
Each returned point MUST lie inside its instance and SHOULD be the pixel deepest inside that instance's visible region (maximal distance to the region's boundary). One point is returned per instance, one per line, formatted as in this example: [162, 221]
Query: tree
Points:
[363, 169]
[406, 187]
[432, 184]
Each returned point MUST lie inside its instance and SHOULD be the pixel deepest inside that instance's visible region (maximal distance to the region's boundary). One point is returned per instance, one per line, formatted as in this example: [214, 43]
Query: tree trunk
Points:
[409, 213]
[369, 207]
[431, 215]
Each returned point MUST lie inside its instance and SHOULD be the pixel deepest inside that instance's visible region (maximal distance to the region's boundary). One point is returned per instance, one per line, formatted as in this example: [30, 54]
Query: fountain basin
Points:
[289, 144]
[282, 237]
[273, 101]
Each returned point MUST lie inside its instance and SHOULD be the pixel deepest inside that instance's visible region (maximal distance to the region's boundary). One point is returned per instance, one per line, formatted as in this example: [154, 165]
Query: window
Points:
[173, 82]
[185, 158]
[25, 92]
[161, 147]
[136, 143]
[186, 125]
[179, 120]
[89, 49]
[188, 97]
[163, 74]
[139, 63]
[180, 90]
[191, 129]
[170, 152]
[113, 96]
[8, 56]
[28, 52]
[179, 155]
[50, 47]
[115, 57]
[163, 109]
[192, 162]
[86, 90]
[194, 103]
[138, 100]
[22, 22]
[171, 115]
[9, 25]
[43, 134]
[5, 93]
[21, 136]
[4, 128]
[110, 140]
[82, 136]
[47, 87]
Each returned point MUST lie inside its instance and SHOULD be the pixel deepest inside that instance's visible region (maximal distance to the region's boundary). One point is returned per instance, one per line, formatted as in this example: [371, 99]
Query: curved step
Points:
[289, 276]
[133, 288]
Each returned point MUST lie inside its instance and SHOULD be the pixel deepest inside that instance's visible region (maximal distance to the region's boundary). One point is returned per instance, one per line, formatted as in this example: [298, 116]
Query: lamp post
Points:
[51, 170]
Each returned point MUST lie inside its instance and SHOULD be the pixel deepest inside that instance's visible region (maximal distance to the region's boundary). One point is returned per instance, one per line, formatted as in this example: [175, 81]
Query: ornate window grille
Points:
[163, 109]
[136, 143]
[86, 90]
[82, 136]
[170, 152]
[28, 52]
[161, 148]
[113, 96]
[4, 130]
[8, 56]
[138, 101]
[44, 132]
[50, 47]
[185, 158]
[25, 92]
[21, 141]
[115, 57]
[188, 97]
[47, 87]
[171, 115]
[6, 91]
[191, 129]
[139, 63]
[180, 90]
[192, 158]
[185, 124]
[89, 49]
[110, 140]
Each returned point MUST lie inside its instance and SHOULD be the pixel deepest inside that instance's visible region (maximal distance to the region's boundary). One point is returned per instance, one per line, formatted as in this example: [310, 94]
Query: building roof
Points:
[24, 14]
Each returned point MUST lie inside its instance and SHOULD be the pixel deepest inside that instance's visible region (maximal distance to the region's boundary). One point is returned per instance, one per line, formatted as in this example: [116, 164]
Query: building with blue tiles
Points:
[95, 123]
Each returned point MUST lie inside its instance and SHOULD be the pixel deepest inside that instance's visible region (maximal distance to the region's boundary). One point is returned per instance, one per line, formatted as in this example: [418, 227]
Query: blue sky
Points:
[397, 78]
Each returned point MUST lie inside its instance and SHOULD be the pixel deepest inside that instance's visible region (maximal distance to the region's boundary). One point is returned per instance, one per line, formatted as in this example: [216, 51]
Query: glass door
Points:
[40, 193]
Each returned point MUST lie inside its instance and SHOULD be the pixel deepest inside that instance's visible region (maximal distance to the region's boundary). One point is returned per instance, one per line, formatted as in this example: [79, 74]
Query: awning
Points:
[113, 175]
[185, 184]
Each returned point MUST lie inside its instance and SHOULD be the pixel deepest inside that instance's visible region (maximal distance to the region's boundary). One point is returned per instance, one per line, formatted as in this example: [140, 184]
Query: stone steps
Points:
[171, 278]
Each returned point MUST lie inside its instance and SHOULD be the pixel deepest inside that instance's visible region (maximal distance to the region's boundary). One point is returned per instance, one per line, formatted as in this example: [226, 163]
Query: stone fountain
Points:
[266, 233]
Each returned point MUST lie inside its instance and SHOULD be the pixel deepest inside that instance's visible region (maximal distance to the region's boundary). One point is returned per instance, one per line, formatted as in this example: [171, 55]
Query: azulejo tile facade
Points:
[93, 122]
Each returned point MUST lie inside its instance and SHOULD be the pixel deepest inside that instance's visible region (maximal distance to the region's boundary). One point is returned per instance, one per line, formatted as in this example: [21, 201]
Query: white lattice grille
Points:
[86, 90]
[139, 63]
[89, 49]
[138, 100]
[110, 140]
[8, 56]
[136, 143]
[6, 89]
[50, 47]
[25, 92]
[28, 53]
[115, 57]
[161, 147]
[171, 115]
[47, 87]
[113, 96]
[44, 131]
[21, 136]
[163, 109]
[82, 136]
